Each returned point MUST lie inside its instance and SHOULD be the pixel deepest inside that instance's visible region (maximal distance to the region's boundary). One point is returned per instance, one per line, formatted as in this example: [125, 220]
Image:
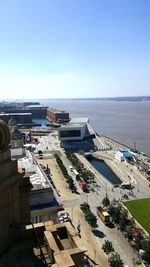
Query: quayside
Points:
[103, 169]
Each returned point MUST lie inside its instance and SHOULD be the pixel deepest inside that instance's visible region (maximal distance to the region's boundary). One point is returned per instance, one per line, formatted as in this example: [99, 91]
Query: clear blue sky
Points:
[74, 48]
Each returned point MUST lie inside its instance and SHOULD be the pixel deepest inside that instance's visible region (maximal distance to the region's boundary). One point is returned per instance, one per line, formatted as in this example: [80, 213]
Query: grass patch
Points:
[140, 210]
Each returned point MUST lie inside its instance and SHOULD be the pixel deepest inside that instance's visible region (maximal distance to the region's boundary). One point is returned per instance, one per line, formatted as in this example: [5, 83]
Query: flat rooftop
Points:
[127, 153]
[37, 106]
[36, 177]
[15, 114]
[75, 123]
[79, 120]
[72, 125]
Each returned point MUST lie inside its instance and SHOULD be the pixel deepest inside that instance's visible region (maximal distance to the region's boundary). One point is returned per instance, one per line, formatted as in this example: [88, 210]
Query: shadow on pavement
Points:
[111, 225]
[98, 233]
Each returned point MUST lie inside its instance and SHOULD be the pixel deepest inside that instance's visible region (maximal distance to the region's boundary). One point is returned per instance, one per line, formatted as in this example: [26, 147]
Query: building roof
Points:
[37, 106]
[79, 120]
[15, 114]
[75, 123]
[71, 126]
[57, 110]
[127, 153]
[36, 177]
[105, 213]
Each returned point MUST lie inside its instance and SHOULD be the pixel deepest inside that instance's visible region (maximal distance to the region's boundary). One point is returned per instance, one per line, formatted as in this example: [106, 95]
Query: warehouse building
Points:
[59, 116]
[21, 118]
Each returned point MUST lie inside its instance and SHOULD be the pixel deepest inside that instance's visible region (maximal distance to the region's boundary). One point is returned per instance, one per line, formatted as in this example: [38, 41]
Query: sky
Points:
[74, 48]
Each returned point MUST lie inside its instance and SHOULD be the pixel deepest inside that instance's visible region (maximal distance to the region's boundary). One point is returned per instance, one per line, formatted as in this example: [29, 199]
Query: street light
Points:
[72, 213]
[94, 258]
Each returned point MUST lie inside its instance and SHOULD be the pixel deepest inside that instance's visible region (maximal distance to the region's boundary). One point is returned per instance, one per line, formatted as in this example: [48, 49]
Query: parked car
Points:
[63, 217]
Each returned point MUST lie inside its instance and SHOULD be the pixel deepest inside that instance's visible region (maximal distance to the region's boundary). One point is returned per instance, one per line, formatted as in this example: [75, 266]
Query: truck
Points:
[77, 175]
[70, 168]
[103, 214]
[126, 186]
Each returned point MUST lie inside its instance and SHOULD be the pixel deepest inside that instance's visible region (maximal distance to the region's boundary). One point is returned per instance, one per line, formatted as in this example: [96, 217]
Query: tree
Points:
[106, 201]
[85, 207]
[71, 183]
[128, 232]
[40, 152]
[137, 241]
[114, 213]
[123, 221]
[115, 260]
[146, 254]
[91, 219]
[108, 247]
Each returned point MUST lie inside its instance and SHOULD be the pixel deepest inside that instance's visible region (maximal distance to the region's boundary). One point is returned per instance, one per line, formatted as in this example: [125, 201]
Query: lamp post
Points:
[72, 213]
[94, 258]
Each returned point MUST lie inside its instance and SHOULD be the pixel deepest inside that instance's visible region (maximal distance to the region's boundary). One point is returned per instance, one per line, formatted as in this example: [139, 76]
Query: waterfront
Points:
[103, 169]
[124, 121]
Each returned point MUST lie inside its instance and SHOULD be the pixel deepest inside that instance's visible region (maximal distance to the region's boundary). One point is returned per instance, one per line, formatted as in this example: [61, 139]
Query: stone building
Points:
[14, 192]
[23, 243]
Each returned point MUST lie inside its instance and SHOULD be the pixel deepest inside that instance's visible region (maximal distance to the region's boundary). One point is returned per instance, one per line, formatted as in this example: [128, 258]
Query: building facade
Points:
[21, 118]
[58, 116]
[14, 192]
[44, 202]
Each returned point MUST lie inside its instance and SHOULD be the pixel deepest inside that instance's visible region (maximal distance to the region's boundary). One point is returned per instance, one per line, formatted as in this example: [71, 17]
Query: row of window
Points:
[41, 218]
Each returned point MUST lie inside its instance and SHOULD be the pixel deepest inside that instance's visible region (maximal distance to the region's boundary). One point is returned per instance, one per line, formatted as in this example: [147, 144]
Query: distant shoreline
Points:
[119, 98]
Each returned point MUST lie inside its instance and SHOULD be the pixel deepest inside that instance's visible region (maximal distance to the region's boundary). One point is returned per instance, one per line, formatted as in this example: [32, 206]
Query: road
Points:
[103, 232]
[101, 186]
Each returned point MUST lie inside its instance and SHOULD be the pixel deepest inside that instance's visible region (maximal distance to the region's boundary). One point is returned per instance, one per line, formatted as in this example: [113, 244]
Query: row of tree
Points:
[113, 257]
[128, 226]
[89, 216]
[63, 169]
[79, 166]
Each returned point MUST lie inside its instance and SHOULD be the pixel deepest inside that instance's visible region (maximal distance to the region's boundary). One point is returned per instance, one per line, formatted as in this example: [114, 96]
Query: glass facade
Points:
[71, 133]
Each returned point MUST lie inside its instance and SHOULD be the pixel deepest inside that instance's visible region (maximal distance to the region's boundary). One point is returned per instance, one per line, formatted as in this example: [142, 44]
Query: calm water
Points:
[102, 168]
[125, 121]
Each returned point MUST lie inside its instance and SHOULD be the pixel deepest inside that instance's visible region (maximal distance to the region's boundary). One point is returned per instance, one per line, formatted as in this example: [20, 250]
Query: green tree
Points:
[85, 207]
[114, 213]
[91, 219]
[40, 152]
[115, 260]
[146, 254]
[137, 241]
[108, 247]
[106, 201]
[128, 232]
[123, 221]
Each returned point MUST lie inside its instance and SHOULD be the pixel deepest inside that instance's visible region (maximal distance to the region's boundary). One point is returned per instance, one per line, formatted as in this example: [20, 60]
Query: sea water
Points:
[125, 121]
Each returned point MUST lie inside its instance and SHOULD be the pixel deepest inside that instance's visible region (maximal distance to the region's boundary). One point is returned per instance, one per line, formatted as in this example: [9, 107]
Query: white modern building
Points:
[77, 135]
[76, 129]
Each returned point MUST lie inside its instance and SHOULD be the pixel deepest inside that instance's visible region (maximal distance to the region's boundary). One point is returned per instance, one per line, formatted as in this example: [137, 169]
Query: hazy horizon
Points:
[84, 98]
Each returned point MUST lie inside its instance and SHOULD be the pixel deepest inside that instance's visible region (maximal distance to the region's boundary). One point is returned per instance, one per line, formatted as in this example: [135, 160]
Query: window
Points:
[71, 133]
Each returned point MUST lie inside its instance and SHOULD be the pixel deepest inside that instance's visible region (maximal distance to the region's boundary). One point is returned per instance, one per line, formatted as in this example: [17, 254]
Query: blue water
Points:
[42, 121]
[102, 168]
[125, 121]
